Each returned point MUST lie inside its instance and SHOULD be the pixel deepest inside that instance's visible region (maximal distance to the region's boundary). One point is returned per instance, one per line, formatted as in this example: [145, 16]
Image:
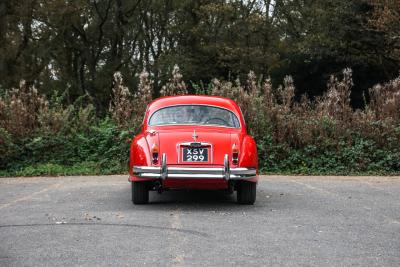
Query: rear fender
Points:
[139, 153]
[248, 153]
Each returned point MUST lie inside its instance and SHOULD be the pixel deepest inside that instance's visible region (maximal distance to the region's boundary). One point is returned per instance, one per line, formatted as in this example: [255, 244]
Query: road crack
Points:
[176, 228]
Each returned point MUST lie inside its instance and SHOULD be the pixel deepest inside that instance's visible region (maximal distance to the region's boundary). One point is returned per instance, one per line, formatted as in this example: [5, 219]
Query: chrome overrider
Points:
[165, 172]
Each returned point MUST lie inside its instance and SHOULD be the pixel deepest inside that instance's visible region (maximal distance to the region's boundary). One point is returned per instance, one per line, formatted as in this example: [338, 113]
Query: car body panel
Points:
[170, 139]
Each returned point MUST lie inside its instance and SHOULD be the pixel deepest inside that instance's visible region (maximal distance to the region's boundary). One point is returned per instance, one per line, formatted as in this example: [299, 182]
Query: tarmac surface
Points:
[296, 221]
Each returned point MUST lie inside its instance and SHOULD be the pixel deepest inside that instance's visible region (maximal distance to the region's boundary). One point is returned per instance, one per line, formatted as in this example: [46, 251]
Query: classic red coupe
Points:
[193, 142]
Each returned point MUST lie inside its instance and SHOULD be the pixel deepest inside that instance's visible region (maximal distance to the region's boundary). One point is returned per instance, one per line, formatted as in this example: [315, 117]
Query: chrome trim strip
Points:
[200, 144]
[166, 172]
[189, 124]
[164, 168]
[243, 171]
[227, 171]
[193, 124]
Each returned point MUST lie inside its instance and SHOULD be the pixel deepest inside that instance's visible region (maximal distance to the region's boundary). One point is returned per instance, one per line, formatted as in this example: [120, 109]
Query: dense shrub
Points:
[103, 147]
[324, 135]
[175, 85]
[44, 136]
[127, 109]
[20, 109]
[321, 136]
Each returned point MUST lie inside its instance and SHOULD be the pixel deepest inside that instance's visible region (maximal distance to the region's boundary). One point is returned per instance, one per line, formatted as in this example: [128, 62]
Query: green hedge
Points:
[101, 149]
[104, 148]
[330, 156]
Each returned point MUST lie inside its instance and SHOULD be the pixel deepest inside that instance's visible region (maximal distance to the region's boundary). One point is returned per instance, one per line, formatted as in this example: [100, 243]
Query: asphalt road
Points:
[296, 221]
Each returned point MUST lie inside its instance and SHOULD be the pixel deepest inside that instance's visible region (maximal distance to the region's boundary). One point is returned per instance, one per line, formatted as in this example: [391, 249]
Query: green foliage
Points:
[7, 148]
[325, 136]
[103, 148]
[332, 156]
[49, 169]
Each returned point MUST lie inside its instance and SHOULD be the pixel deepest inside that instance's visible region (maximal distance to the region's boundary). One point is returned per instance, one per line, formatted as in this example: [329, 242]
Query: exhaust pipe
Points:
[158, 187]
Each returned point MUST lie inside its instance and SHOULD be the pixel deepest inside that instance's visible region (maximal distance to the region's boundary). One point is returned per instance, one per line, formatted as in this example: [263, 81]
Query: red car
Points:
[193, 142]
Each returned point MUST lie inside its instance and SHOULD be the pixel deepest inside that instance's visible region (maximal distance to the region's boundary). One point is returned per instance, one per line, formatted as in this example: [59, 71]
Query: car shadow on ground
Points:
[198, 200]
[192, 197]
[202, 200]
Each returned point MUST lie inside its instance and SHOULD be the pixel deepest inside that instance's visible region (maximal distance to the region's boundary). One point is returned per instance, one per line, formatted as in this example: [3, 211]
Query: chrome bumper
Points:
[165, 172]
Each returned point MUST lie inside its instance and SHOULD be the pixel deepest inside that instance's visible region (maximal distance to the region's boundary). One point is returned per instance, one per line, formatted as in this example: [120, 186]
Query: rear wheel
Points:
[140, 193]
[246, 193]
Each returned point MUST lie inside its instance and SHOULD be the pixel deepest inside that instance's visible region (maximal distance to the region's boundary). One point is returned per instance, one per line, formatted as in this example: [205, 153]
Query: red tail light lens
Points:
[235, 154]
[154, 153]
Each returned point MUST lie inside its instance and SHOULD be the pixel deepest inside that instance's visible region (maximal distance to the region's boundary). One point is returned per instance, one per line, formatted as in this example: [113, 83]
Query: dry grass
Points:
[291, 124]
[300, 124]
[121, 105]
[324, 135]
[20, 109]
[176, 85]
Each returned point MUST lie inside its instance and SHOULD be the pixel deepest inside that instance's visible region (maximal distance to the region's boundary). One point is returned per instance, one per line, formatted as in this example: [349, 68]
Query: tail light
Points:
[235, 154]
[154, 153]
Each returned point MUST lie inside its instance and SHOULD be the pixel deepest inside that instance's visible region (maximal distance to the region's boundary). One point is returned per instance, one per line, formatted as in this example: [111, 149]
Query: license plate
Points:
[195, 154]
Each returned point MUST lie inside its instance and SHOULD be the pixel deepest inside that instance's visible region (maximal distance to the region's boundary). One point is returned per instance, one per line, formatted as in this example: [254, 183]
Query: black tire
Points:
[246, 193]
[140, 193]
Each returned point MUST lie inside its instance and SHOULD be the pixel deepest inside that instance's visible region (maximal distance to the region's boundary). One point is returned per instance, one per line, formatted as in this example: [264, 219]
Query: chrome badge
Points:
[194, 136]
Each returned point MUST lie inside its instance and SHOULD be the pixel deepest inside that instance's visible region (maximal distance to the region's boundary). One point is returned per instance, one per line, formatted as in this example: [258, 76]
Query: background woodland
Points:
[318, 81]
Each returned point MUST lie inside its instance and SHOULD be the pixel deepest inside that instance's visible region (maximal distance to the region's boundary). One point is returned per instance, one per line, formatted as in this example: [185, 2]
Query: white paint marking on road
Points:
[315, 188]
[391, 220]
[30, 196]
[177, 240]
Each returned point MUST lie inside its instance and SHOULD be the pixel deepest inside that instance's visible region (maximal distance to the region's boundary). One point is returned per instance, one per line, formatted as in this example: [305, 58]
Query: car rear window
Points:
[194, 115]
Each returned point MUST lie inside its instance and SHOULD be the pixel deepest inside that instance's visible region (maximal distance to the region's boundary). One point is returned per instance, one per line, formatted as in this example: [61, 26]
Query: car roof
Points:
[193, 100]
